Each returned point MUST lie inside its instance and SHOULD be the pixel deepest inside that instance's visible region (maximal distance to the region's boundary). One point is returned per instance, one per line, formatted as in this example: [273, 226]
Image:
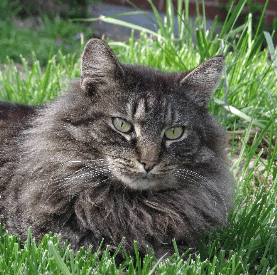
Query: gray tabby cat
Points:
[128, 151]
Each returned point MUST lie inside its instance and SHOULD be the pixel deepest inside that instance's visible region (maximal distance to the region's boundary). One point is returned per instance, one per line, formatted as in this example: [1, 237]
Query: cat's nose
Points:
[148, 165]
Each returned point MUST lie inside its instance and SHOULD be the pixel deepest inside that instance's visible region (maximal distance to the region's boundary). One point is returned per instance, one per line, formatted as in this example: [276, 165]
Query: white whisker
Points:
[184, 173]
[87, 173]
[75, 172]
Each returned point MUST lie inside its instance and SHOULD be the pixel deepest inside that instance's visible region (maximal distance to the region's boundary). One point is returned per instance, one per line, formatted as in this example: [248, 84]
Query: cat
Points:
[128, 151]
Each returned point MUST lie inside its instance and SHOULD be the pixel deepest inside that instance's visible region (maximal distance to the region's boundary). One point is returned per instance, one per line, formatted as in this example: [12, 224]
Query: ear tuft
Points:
[199, 84]
[99, 65]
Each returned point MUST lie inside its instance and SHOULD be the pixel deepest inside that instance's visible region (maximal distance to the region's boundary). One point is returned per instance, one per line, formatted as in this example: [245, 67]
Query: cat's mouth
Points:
[146, 177]
[135, 176]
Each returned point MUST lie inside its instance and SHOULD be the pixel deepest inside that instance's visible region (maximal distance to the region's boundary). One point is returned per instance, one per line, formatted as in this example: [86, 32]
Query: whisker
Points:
[91, 174]
[184, 173]
[75, 172]
[92, 186]
[96, 184]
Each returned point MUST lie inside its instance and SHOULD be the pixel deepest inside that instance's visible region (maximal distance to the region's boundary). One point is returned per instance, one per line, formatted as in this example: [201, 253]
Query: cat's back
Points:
[14, 118]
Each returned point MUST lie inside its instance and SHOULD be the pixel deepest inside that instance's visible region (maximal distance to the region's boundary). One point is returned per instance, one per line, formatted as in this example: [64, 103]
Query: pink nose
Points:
[148, 165]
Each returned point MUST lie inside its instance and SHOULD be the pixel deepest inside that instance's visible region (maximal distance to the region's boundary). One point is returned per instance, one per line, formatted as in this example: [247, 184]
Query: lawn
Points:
[244, 103]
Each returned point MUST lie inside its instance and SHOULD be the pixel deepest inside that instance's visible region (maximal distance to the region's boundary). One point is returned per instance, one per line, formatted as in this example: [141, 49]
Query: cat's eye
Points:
[122, 125]
[174, 132]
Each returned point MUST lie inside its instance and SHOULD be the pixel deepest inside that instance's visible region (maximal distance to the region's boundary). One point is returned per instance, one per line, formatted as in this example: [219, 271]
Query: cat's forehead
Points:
[145, 94]
[150, 106]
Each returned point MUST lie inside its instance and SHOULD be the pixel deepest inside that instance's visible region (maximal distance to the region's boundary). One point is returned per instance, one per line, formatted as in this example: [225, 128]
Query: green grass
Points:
[246, 246]
[244, 102]
[35, 85]
[51, 36]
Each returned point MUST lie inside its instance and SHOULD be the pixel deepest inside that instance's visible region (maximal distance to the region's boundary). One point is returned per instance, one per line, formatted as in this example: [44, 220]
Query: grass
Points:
[244, 103]
[50, 36]
[35, 85]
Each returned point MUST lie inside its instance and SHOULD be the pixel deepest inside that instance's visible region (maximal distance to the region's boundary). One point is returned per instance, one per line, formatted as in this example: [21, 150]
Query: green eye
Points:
[122, 125]
[174, 132]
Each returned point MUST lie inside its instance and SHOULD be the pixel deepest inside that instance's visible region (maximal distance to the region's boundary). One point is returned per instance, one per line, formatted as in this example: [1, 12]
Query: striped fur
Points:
[69, 170]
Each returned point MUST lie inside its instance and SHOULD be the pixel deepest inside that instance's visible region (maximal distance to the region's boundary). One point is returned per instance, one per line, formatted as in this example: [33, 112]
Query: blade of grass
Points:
[170, 17]
[118, 248]
[58, 259]
[271, 50]
[129, 25]
[146, 14]
[240, 114]
[257, 142]
[111, 16]
[158, 17]
[230, 22]
[179, 17]
[261, 21]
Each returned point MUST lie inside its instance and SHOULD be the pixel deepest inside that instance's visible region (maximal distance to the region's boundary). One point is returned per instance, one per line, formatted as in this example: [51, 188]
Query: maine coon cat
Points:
[128, 151]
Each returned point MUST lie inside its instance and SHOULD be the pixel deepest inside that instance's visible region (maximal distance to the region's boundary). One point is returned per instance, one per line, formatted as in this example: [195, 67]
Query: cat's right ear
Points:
[99, 65]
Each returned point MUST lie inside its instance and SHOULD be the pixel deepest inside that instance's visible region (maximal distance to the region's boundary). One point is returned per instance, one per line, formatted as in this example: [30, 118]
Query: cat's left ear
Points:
[199, 84]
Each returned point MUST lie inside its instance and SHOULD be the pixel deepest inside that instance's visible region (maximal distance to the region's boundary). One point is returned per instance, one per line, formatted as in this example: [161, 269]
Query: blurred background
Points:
[48, 25]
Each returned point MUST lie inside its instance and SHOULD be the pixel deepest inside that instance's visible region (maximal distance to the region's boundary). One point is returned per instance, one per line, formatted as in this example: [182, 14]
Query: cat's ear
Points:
[199, 84]
[99, 65]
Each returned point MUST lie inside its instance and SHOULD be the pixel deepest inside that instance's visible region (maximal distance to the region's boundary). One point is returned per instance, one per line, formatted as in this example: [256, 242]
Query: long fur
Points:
[69, 171]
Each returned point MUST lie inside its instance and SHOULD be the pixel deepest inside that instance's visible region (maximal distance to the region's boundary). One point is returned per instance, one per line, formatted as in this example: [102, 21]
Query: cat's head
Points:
[147, 124]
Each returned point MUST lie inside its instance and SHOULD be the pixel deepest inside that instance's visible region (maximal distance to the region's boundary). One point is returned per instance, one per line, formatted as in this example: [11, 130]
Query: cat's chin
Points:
[139, 183]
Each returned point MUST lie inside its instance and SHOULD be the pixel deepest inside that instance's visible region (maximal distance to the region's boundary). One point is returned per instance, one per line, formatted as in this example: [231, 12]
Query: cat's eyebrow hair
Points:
[176, 115]
[132, 108]
[139, 108]
[169, 113]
